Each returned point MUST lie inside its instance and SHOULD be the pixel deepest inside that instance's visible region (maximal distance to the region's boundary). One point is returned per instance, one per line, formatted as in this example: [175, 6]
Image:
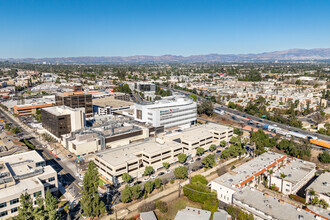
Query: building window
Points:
[51, 179]
[37, 194]
[51, 186]
[13, 210]
[14, 201]
[3, 213]
[40, 164]
[4, 204]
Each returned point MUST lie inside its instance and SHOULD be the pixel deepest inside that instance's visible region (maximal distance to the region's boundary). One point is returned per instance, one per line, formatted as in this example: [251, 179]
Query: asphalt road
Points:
[66, 175]
[233, 111]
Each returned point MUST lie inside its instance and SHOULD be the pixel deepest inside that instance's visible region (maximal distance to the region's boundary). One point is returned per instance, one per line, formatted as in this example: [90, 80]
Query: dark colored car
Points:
[161, 173]
[198, 159]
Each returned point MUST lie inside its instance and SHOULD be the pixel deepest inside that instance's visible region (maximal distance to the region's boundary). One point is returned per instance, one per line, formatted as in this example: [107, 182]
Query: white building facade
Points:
[175, 111]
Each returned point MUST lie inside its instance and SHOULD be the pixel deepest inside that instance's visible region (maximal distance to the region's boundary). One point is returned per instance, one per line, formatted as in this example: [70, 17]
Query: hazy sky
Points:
[61, 28]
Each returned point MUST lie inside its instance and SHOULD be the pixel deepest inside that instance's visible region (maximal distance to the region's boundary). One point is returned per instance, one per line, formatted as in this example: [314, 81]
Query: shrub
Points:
[147, 207]
[161, 206]
[199, 178]
[171, 181]
[149, 186]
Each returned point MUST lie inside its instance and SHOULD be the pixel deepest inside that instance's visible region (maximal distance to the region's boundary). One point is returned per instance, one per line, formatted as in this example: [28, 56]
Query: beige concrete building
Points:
[23, 173]
[133, 158]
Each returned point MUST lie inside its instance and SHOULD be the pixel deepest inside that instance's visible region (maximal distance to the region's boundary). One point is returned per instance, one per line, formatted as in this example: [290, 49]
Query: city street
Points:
[66, 175]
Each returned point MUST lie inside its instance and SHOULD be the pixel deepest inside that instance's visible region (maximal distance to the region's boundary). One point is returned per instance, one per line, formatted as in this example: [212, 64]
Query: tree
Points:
[91, 204]
[148, 170]
[166, 165]
[194, 97]
[149, 186]
[181, 172]
[126, 194]
[51, 205]
[324, 157]
[67, 208]
[25, 211]
[200, 179]
[158, 183]
[136, 191]
[282, 176]
[209, 161]
[238, 131]
[270, 172]
[223, 143]
[126, 178]
[213, 147]
[205, 108]
[15, 130]
[182, 158]
[200, 151]
[7, 126]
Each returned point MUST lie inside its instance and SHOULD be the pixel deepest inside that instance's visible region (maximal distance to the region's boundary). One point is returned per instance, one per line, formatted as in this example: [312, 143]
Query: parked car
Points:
[146, 179]
[69, 156]
[168, 171]
[198, 159]
[161, 173]
[154, 176]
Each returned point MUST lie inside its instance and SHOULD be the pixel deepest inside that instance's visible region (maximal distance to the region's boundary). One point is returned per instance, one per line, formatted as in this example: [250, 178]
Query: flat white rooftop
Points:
[122, 155]
[295, 170]
[249, 169]
[321, 184]
[270, 205]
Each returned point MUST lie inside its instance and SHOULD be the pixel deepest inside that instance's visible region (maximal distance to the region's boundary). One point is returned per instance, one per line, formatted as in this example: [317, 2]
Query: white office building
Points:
[24, 173]
[169, 112]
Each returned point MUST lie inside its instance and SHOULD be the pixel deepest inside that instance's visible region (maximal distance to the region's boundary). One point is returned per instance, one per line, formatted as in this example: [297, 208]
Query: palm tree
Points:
[270, 172]
[282, 176]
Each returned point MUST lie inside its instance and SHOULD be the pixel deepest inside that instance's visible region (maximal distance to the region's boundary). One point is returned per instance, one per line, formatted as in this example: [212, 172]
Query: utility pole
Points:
[179, 190]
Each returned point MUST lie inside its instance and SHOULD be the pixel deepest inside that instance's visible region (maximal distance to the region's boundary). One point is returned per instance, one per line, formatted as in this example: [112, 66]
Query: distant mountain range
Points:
[286, 55]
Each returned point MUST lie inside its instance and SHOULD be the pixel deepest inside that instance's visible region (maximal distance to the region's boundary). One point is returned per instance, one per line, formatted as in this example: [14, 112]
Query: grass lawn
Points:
[175, 206]
[101, 182]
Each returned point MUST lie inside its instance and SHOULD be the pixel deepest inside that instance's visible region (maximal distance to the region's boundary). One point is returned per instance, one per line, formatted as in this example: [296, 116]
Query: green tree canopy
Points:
[91, 204]
[209, 161]
[181, 172]
[182, 158]
[148, 170]
[200, 151]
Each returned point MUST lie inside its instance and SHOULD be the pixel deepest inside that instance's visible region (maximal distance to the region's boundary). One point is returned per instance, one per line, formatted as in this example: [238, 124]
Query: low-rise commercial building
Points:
[173, 111]
[29, 109]
[24, 173]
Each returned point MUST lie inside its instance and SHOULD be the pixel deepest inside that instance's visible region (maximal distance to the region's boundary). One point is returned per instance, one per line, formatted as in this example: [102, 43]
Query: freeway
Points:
[255, 118]
[66, 175]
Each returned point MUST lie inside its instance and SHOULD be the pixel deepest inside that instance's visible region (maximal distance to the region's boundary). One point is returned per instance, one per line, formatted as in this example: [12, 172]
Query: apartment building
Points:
[59, 120]
[133, 158]
[321, 187]
[264, 206]
[24, 173]
[248, 174]
[29, 109]
[148, 89]
[297, 173]
[170, 112]
[76, 100]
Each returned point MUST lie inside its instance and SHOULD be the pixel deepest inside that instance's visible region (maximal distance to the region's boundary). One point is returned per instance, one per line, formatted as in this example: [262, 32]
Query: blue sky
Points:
[62, 28]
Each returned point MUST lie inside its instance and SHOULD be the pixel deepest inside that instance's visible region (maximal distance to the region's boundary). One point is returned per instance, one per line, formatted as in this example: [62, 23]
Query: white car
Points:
[168, 171]
[146, 179]
[154, 176]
